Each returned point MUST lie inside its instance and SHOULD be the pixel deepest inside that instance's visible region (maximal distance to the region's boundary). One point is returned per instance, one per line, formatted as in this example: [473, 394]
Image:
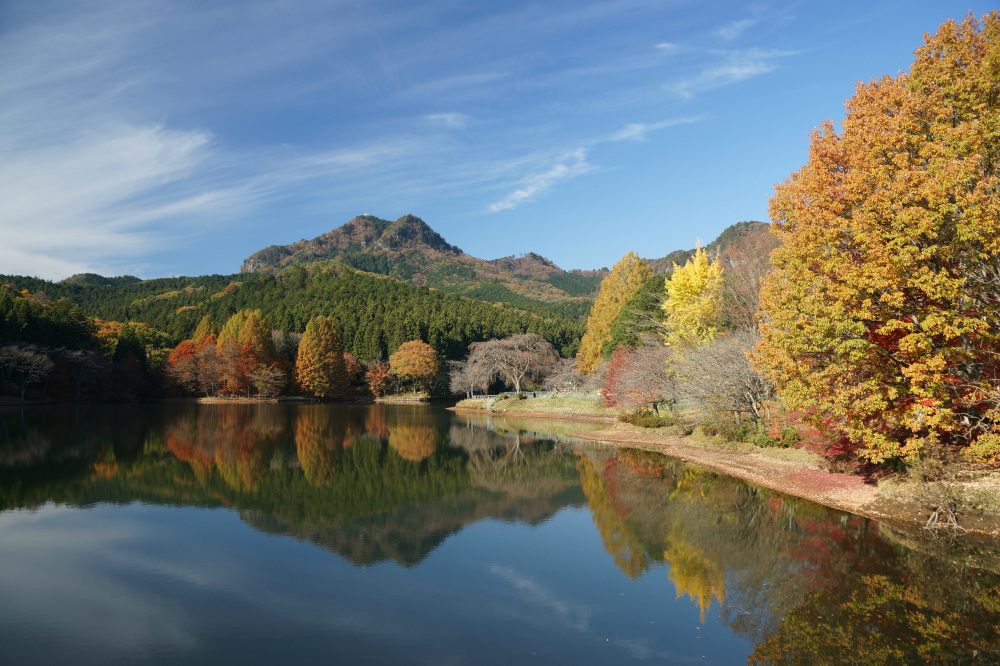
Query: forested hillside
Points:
[97, 337]
[375, 314]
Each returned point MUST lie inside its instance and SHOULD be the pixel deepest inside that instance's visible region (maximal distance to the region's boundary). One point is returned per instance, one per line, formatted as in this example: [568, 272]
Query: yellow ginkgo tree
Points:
[694, 301]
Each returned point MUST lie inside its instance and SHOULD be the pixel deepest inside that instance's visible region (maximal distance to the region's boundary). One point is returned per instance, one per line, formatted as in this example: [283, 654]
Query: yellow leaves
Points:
[625, 278]
[694, 301]
[696, 575]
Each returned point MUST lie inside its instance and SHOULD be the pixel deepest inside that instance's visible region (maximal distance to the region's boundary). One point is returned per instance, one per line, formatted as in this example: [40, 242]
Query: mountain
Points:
[729, 236]
[408, 249]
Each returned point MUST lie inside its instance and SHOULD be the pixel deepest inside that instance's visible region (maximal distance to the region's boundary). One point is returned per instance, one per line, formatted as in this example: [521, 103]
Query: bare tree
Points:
[562, 376]
[268, 380]
[467, 378]
[720, 376]
[514, 359]
[209, 379]
[32, 366]
[82, 369]
[744, 265]
[640, 376]
[8, 362]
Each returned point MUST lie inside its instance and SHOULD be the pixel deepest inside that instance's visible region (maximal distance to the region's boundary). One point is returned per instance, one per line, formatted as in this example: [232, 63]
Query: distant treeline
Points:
[375, 314]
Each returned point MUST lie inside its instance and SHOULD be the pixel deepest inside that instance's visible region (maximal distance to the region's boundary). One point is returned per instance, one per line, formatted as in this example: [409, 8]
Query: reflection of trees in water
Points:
[515, 463]
[317, 444]
[877, 619]
[695, 574]
[412, 433]
[377, 421]
[237, 440]
[413, 442]
[884, 596]
[23, 441]
[809, 584]
[620, 542]
[32, 435]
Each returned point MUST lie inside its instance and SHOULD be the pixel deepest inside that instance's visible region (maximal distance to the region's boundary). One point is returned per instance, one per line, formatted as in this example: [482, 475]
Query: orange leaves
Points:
[319, 366]
[415, 361]
[891, 248]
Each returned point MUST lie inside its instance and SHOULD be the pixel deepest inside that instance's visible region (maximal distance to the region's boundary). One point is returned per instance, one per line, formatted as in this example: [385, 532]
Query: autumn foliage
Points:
[244, 362]
[694, 301]
[882, 314]
[319, 366]
[416, 362]
[625, 278]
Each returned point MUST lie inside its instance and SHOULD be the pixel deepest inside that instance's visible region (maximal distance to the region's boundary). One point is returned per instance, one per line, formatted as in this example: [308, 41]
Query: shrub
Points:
[645, 419]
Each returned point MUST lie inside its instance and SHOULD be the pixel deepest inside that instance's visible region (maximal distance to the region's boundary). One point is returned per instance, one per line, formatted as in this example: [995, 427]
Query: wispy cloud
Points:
[730, 67]
[574, 615]
[567, 168]
[96, 197]
[734, 29]
[455, 120]
[641, 131]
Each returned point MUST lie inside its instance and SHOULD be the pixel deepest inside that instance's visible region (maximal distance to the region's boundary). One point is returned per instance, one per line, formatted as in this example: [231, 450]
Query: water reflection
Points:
[376, 483]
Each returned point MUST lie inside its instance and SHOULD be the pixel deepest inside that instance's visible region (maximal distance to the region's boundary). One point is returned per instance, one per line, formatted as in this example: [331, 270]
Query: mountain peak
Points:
[363, 234]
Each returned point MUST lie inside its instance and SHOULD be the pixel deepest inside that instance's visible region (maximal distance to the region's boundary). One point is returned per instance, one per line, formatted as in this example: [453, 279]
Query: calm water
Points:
[408, 535]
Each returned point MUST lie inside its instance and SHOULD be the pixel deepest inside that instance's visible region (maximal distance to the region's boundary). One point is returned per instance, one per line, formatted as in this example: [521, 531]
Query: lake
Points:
[399, 534]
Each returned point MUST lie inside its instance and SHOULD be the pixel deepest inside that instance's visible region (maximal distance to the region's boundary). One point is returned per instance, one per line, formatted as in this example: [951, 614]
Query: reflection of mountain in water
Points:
[530, 481]
[368, 482]
[375, 483]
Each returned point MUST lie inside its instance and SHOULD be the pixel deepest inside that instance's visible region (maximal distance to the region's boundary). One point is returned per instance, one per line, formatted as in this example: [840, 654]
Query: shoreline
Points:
[772, 469]
[590, 418]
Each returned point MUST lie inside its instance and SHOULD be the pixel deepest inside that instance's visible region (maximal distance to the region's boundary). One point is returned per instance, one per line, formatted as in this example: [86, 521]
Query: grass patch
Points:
[646, 419]
[557, 406]
[472, 403]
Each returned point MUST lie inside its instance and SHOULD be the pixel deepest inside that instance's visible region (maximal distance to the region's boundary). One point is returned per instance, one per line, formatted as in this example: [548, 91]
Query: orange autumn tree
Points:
[416, 362]
[319, 366]
[882, 317]
[377, 376]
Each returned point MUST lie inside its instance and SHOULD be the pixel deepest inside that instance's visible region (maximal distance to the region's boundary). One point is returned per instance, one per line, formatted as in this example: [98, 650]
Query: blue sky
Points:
[176, 138]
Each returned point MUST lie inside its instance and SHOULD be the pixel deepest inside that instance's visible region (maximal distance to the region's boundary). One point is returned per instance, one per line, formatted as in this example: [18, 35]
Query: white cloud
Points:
[574, 615]
[640, 131]
[84, 202]
[731, 67]
[567, 168]
[734, 29]
[456, 120]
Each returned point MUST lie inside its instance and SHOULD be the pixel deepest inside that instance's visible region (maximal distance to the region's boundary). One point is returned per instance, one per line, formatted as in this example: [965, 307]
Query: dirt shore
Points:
[765, 467]
[840, 491]
[791, 472]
